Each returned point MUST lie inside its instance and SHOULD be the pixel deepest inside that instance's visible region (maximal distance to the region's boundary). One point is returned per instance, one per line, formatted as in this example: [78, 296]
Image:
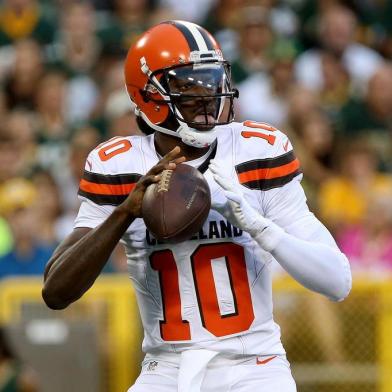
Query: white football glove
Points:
[242, 215]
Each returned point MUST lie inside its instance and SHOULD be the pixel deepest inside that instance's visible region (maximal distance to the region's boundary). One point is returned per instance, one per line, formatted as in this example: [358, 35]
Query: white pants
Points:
[262, 374]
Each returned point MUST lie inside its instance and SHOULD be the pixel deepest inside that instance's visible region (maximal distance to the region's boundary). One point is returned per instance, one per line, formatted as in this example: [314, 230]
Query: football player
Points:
[206, 303]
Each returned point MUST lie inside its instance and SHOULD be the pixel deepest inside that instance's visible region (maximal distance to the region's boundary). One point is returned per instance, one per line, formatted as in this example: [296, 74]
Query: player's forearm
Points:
[72, 271]
[317, 266]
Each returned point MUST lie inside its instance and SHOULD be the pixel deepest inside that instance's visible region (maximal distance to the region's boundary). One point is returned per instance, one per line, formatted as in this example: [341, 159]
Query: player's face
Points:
[199, 93]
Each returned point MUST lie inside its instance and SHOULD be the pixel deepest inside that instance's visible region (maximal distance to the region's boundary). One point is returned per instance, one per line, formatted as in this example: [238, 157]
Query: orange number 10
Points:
[266, 127]
[173, 327]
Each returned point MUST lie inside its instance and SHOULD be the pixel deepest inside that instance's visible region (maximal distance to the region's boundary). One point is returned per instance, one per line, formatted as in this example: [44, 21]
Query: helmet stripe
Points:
[196, 34]
[193, 36]
[207, 38]
[190, 39]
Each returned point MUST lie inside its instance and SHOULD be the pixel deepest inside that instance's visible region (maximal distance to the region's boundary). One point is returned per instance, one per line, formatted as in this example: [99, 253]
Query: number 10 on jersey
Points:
[173, 327]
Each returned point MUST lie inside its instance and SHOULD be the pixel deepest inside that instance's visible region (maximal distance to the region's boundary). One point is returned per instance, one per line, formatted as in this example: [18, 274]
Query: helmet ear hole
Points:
[145, 95]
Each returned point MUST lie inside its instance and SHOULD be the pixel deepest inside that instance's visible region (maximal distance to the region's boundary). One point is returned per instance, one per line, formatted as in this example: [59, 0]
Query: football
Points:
[176, 207]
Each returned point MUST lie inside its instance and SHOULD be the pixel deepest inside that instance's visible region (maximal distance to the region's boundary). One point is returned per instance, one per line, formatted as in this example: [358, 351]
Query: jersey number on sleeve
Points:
[173, 327]
[113, 147]
[263, 135]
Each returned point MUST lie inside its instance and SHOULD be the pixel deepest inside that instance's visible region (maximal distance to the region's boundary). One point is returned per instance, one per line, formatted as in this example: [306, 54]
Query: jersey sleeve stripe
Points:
[113, 200]
[114, 179]
[265, 185]
[266, 163]
[106, 189]
[270, 173]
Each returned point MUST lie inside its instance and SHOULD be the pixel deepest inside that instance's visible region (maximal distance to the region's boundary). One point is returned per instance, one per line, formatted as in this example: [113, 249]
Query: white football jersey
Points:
[214, 290]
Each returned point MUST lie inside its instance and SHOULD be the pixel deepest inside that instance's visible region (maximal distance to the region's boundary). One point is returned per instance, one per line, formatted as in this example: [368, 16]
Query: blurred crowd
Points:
[320, 70]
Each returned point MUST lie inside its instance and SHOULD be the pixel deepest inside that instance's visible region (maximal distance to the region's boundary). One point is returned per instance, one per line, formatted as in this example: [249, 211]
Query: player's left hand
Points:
[236, 209]
[241, 214]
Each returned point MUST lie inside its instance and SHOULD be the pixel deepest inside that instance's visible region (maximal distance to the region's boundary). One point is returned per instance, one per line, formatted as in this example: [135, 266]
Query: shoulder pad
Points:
[108, 177]
[266, 157]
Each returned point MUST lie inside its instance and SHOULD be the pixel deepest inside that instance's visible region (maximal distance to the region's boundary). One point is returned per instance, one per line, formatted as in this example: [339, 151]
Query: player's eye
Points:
[186, 86]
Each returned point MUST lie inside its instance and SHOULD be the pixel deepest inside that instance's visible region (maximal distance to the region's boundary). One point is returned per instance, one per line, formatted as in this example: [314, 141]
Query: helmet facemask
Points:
[196, 93]
[202, 91]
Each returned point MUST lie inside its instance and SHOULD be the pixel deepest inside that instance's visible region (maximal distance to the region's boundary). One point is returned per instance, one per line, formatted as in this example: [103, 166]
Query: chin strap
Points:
[190, 136]
[195, 138]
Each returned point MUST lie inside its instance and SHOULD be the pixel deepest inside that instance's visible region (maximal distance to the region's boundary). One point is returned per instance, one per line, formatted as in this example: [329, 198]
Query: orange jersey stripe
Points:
[270, 173]
[106, 189]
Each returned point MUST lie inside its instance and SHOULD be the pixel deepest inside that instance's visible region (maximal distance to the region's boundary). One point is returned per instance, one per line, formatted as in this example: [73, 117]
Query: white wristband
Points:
[269, 236]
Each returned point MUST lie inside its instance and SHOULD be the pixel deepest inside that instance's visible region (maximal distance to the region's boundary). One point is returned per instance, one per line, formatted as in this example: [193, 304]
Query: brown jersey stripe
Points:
[106, 189]
[113, 200]
[109, 189]
[269, 173]
[114, 179]
[266, 184]
[266, 163]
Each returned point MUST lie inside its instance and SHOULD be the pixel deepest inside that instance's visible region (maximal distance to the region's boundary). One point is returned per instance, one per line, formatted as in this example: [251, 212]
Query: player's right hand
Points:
[133, 203]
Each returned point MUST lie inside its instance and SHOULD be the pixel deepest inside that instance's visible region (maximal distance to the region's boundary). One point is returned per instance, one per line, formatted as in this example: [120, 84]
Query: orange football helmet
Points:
[176, 65]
